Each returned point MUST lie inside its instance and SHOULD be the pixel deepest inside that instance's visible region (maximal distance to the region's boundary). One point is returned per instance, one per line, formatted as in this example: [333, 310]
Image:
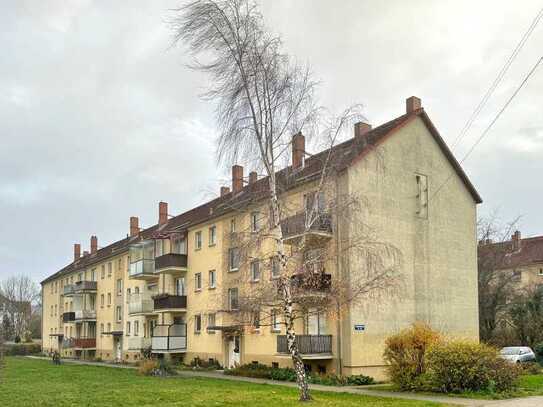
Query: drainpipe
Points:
[338, 323]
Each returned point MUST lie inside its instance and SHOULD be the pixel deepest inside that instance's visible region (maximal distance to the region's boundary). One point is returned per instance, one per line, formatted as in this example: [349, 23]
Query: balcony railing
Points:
[167, 302]
[138, 343]
[69, 289]
[307, 344]
[300, 223]
[142, 268]
[81, 286]
[84, 343]
[68, 317]
[67, 343]
[169, 338]
[85, 315]
[170, 261]
[140, 304]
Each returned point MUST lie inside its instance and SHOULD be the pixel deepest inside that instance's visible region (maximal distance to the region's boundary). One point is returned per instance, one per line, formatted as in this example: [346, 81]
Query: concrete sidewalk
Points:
[367, 391]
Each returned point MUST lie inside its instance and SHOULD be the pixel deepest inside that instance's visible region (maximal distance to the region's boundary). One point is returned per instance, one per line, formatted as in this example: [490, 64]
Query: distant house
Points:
[522, 256]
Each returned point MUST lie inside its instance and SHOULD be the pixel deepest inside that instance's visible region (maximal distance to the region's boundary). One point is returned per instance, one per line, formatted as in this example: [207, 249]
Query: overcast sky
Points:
[100, 119]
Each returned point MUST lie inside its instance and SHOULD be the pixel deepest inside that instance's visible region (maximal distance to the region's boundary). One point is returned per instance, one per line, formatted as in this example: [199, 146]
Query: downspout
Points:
[338, 322]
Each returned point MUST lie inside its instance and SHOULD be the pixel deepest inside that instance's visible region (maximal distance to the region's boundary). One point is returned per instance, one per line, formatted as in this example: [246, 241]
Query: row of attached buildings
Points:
[171, 288]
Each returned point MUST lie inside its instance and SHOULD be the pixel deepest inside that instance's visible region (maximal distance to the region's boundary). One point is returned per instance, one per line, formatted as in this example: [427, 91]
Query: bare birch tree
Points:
[19, 293]
[263, 98]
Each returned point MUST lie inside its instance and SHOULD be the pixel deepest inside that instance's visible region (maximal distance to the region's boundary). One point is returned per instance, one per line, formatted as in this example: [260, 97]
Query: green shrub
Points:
[529, 368]
[538, 350]
[148, 367]
[212, 364]
[257, 370]
[22, 349]
[468, 366]
[285, 374]
[405, 354]
[359, 380]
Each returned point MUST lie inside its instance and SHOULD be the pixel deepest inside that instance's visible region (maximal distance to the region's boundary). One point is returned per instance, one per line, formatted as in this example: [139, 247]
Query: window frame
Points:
[255, 266]
[198, 240]
[212, 235]
[212, 279]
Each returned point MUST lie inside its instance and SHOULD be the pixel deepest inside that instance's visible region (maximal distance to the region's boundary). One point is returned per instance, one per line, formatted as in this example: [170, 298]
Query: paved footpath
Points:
[367, 390]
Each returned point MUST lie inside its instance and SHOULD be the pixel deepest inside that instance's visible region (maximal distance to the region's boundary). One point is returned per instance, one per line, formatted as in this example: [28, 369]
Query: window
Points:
[255, 222]
[119, 287]
[128, 294]
[109, 269]
[275, 267]
[541, 272]
[178, 244]
[120, 264]
[255, 270]
[108, 299]
[118, 312]
[128, 327]
[51, 309]
[233, 258]
[211, 322]
[233, 225]
[136, 328]
[180, 286]
[212, 235]
[93, 275]
[55, 310]
[56, 286]
[198, 240]
[309, 202]
[108, 327]
[102, 300]
[103, 272]
[159, 247]
[198, 281]
[136, 290]
[101, 328]
[422, 196]
[233, 298]
[212, 279]
[275, 325]
[256, 320]
[197, 323]
[80, 277]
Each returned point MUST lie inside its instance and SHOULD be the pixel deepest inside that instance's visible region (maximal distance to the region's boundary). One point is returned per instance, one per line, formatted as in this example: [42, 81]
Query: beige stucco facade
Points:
[396, 180]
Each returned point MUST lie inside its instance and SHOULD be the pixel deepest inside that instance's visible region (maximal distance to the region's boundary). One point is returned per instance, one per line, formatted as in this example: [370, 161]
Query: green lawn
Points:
[529, 385]
[27, 382]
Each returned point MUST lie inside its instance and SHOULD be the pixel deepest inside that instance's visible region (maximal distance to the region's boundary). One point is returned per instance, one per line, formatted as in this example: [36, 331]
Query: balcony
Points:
[169, 338]
[309, 346]
[316, 232]
[67, 343]
[85, 315]
[138, 343]
[170, 303]
[312, 282]
[172, 263]
[142, 270]
[68, 317]
[84, 343]
[80, 287]
[140, 304]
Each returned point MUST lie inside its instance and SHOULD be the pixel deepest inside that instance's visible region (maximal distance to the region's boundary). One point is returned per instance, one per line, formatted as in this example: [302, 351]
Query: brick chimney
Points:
[134, 226]
[515, 240]
[360, 131]
[298, 150]
[237, 178]
[162, 212]
[224, 191]
[77, 251]
[253, 176]
[412, 103]
[94, 244]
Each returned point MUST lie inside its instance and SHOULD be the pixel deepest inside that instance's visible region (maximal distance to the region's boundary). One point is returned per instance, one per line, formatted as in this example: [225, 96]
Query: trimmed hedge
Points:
[261, 371]
[21, 349]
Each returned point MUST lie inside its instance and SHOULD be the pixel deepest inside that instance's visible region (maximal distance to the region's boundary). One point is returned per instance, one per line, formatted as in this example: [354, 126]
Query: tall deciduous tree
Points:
[19, 294]
[264, 98]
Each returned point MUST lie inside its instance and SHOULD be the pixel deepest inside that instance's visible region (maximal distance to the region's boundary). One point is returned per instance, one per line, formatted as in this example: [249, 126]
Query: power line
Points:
[498, 79]
[487, 129]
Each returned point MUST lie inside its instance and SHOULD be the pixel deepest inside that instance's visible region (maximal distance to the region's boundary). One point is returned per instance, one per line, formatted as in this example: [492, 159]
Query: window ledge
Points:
[212, 288]
[275, 331]
[212, 245]
[211, 331]
[233, 270]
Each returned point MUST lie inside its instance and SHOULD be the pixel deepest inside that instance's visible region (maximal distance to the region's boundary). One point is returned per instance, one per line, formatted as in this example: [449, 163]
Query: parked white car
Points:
[518, 354]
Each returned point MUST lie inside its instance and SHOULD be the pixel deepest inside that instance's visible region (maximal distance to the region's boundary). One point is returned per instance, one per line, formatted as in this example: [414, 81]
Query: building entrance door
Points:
[118, 349]
[233, 351]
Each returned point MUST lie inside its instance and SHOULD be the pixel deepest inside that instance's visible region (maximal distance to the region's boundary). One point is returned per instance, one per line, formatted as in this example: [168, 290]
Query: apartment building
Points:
[521, 256]
[173, 288]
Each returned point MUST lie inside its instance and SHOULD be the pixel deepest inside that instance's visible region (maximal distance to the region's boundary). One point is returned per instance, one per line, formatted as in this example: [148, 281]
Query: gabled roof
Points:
[338, 158]
[530, 251]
